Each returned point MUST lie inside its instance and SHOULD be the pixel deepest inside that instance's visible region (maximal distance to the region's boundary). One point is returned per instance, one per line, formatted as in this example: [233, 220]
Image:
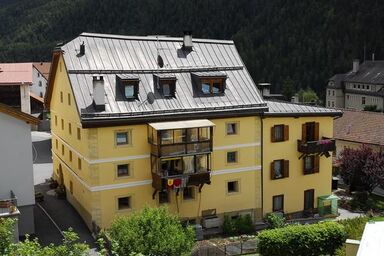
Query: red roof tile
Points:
[360, 126]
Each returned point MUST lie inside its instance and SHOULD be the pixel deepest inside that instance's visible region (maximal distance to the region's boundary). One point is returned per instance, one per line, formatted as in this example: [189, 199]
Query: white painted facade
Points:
[39, 84]
[16, 168]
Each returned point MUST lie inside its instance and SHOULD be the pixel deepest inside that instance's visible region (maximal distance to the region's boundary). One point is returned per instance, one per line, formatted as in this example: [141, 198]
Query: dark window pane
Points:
[129, 91]
[124, 203]
[232, 157]
[123, 170]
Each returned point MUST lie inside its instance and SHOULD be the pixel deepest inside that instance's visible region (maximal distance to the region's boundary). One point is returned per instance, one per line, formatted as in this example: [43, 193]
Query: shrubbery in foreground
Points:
[316, 239]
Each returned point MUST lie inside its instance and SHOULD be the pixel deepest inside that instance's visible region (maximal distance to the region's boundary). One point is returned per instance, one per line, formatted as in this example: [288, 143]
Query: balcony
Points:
[187, 148]
[162, 182]
[8, 207]
[322, 146]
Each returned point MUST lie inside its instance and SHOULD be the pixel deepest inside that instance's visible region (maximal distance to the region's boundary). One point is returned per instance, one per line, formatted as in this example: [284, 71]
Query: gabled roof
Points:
[111, 55]
[371, 72]
[43, 68]
[18, 114]
[278, 108]
[15, 73]
[360, 126]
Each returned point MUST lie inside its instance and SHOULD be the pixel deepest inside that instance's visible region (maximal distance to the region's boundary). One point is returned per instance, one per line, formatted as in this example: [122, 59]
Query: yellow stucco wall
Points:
[96, 187]
[294, 186]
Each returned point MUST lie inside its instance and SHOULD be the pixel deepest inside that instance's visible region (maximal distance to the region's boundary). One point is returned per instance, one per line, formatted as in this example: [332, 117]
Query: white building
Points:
[16, 168]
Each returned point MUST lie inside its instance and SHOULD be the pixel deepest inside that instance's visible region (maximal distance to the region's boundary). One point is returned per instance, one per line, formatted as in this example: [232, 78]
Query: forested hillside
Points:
[285, 42]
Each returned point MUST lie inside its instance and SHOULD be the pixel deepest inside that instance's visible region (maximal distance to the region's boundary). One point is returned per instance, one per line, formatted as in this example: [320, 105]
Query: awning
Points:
[181, 124]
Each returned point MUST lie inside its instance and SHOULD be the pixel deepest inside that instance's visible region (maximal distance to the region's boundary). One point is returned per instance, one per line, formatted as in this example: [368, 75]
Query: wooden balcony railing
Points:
[314, 147]
[161, 182]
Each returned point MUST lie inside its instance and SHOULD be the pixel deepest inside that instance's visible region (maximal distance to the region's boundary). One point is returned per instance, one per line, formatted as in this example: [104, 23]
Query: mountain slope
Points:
[282, 41]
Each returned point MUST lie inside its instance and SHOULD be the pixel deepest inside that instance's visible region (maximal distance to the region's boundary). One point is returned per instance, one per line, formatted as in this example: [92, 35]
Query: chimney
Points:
[373, 56]
[356, 63]
[265, 89]
[82, 49]
[98, 93]
[187, 40]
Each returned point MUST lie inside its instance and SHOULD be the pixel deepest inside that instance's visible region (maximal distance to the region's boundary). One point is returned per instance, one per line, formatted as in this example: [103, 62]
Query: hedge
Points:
[316, 239]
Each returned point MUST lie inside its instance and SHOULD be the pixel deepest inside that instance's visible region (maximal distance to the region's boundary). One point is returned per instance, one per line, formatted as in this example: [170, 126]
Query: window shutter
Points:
[272, 171]
[286, 169]
[304, 132]
[273, 134]
[286, 132]
[316, 164]
[316, 131]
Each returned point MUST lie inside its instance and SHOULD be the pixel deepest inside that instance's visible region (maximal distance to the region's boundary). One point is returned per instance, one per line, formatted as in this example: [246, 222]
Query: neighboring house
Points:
[23, 85]
[359, 88]
[16, 171]
[297, 169]
[157, 120]
[356, 128]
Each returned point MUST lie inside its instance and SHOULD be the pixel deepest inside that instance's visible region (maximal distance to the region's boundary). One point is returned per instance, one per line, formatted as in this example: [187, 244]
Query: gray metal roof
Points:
[277, 108]
[370, 72]
[128, 56]
[209, 74]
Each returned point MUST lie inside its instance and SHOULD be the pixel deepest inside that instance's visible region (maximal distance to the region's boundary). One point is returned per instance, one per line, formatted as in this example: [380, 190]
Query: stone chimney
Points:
[187, 40]
[356, 63]
[98, 93]
[265, 89]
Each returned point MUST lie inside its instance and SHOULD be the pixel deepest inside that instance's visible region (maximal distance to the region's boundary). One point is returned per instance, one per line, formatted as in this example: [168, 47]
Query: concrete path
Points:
[345, 214]
[42, 156]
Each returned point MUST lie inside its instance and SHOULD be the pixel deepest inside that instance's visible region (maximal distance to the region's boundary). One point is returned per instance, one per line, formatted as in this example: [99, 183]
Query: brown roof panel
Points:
[43, 68]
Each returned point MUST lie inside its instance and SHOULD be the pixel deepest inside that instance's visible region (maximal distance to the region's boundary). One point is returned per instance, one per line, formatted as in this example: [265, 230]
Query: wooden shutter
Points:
[286, 169]
[316, 166]
[304, 132]
[272, 170]
[286, 132]
[316, 131]
[273, 134]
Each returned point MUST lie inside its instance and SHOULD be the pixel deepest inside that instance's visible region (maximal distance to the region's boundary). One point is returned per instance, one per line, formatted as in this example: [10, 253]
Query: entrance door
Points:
[309, 196]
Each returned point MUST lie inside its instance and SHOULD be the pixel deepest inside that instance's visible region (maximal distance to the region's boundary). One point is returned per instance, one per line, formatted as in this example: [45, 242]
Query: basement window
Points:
[124, 203]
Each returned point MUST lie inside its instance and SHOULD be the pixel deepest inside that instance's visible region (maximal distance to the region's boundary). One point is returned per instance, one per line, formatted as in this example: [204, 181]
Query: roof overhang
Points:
[57, 52]
[181, 124]
[18, 114]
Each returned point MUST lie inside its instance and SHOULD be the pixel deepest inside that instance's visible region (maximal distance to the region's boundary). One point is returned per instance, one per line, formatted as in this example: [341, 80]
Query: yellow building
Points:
[297, 143]
[157, 120]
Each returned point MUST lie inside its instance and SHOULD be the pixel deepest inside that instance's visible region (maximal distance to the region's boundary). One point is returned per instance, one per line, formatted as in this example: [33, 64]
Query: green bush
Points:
[308, 240]
[6, 234]
[240, 225]
[354, 227]
[275, 221]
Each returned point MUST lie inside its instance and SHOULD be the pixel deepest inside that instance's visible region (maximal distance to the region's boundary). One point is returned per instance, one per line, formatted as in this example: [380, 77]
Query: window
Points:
[367, 87]
[167, 87]
[38, 74]
[71, 187]
[278, 203]
[62, 124]
[70, 128]
[232, 157]
[129, 86]
[333, 104]
[329, 104]
[232, 186]
[212, 85]
[163, 197]
[363, 100]
[279, 169]
[41, 94]
[69, 99]
[188, 193]
[55, 120]
[347, 97]
[78, 133]
[70, 156]
[329, 92]
[61, 97]
[40, 84]
[363, 86]
[79, 163]
[122, 138]
[129, 91]
[124, 203]
[57, 144]
[62, 149]
[232, 128]
[279, 133]
[309, 196]
[123, 170]
[358, 86]
[310, 131]
[311, 164]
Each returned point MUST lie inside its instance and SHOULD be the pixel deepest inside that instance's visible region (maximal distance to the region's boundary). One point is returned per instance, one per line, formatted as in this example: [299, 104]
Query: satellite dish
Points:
[160, 61]
[150, 97]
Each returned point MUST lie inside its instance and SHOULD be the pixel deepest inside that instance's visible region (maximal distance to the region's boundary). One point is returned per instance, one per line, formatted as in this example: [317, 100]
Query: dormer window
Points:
[129, 86]
[212, 86]
[165, 84]
[209, 83]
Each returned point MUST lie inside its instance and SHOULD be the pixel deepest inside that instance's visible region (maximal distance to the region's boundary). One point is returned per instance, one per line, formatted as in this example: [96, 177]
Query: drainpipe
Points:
[262, 165]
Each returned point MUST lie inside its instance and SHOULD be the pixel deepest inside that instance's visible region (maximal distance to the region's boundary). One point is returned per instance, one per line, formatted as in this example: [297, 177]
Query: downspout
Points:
[262, 165]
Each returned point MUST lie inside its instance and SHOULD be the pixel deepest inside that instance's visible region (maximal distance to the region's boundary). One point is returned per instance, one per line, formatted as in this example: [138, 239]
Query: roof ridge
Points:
[155, 38]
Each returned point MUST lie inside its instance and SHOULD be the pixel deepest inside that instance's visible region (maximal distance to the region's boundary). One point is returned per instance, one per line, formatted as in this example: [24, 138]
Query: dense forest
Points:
[292, 44]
